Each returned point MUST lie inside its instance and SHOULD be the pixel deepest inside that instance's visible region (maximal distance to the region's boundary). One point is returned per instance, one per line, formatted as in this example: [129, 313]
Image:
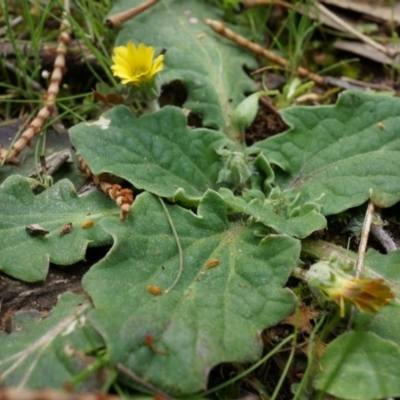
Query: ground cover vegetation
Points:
[199, 200]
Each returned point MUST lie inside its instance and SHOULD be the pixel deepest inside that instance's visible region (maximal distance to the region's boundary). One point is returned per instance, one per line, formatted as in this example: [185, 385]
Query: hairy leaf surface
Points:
[337, 155]
[230, 289]
[156, 152]
[300, 221]
[26, 256]
[359, 366]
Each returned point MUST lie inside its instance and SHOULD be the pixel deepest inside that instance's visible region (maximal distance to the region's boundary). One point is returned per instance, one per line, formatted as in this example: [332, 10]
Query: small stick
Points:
[35, 85]
[13, 23]
[255, 48]
[364, 238]
[11, 155]
[127, 372]
[361, 250]
[117, 19]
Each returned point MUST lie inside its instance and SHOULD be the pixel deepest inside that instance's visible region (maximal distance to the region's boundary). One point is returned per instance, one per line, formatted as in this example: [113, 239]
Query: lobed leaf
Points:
[339, 154]
[229, 291]
[156, 152]
[26, 256]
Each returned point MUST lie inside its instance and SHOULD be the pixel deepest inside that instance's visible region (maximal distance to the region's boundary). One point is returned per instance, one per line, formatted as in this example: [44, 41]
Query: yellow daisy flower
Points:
[135, 64]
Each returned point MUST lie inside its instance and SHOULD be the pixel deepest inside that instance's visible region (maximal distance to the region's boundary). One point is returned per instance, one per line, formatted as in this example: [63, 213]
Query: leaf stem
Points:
[252, 368]
[153, 106]
[178, 245]
[313, 347]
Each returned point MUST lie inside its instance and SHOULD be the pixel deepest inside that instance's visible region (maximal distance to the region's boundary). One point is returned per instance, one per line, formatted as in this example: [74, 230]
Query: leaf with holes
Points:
[336, 155]
[210, 67]
[229, 290]
[25, 253]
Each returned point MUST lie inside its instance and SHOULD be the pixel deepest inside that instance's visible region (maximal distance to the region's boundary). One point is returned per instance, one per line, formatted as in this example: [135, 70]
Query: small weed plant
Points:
[222, 244]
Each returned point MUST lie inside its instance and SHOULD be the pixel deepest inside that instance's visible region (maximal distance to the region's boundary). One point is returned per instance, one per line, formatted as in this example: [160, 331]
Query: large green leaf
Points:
[210, 67]
[49, 352]
[26, 256]
[360, 366]
[230, 289]
[337, 154]
[156, 152]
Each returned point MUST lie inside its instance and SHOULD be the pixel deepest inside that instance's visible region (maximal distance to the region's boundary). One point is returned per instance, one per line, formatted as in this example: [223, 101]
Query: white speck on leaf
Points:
[102, 122]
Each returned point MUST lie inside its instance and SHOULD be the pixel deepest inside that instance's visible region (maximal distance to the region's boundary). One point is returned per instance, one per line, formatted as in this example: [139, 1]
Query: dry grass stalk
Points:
[118, 19]
[34, 128]
[255, 48]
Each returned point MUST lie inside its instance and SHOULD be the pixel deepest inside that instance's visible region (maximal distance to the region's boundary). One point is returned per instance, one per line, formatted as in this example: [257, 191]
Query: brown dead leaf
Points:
[302, 319]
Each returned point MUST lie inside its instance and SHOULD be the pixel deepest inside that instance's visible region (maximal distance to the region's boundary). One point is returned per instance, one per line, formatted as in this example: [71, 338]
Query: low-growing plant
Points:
[220, 242]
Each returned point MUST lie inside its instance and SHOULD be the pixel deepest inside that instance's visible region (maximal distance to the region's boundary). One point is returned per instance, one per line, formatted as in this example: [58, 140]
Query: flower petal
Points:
[135, 64]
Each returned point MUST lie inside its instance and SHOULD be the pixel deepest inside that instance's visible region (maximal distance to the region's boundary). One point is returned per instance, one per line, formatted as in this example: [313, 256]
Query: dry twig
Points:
[117, 19]
[348, 28]
[255, 48]
[364, 237]
[34, 128]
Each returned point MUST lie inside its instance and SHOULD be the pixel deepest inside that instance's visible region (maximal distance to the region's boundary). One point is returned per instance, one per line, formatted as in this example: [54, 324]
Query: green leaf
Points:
[359, 366]
[246, 112]
[156, 152]
[49, 352]
[229, 291]
[300, 221]
[336, 154]
[26, 256]
[210, 67]
[308, 220]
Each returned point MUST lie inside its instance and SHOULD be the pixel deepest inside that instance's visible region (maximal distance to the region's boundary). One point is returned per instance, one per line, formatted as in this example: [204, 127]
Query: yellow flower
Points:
[329, 279]
[135, 64]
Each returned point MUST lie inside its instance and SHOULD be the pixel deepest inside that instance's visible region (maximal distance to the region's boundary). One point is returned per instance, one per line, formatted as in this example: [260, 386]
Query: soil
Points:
[39, 298]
